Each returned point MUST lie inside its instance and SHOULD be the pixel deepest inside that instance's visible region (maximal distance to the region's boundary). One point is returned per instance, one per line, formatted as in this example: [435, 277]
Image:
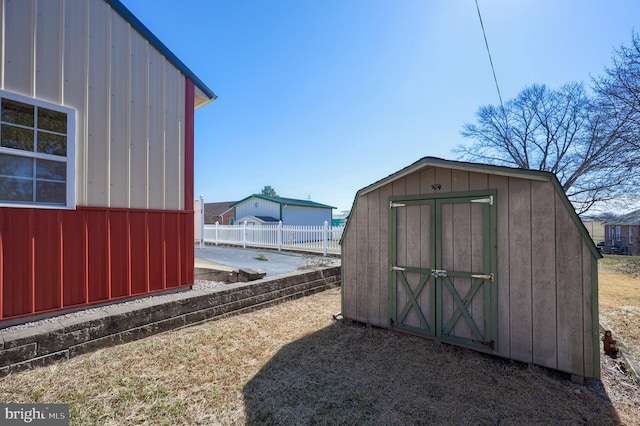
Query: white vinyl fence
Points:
[323, 239]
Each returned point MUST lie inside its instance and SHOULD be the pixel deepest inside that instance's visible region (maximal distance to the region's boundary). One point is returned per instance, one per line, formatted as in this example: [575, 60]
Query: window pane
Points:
[48, 143]
[16, 189]
[51, 192]
[17, 138]
[12, 165]
[52, 120]
[53, 170]
[17, 112]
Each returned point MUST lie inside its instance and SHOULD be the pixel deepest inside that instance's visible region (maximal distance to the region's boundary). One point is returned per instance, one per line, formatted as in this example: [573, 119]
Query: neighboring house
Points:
[288, 210]
[96, 158]
[221, 212]
[622, 234]
[595, 227]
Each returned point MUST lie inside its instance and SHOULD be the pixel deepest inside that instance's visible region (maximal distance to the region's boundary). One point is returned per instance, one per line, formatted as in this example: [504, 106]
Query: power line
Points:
[486, 43]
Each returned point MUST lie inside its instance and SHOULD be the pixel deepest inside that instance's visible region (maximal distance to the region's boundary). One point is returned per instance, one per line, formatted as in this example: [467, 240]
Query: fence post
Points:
[216, 241]
[325, 238]
[279, 237]
[201, 221]
[244, 234]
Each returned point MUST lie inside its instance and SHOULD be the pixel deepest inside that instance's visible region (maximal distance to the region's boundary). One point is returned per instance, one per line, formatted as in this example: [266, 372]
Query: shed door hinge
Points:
[483, 276]
[396, 268]
[392, 205]
[486, 200]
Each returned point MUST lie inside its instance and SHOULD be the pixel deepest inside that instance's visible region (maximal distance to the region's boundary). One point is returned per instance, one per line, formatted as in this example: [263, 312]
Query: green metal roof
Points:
[490, 169]
[288, 201]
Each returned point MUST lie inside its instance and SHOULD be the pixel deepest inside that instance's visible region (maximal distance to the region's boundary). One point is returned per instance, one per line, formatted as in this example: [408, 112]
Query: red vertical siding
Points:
[172, 250]
[156, 253]
[189, 155]
[17, 297]
[119, 254]
[47, 263]
[57, 259]
[187, 248]
[75, 268]
[139, 252]
[98, 256]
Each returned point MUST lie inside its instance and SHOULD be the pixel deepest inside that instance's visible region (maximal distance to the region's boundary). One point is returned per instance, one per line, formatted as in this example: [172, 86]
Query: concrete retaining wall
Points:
[65, 337]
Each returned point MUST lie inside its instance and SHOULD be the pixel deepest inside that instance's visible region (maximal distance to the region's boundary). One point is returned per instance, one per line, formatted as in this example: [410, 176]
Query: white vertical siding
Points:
[264, 208]
[129, 99]
[307, 216]
[18, 46]
[98, 106]
[119, 113]
[139, 129]
[49, 50]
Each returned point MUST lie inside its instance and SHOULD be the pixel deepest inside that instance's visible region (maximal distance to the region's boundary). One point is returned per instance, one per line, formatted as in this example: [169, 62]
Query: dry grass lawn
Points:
[619, 293]
[294, 364]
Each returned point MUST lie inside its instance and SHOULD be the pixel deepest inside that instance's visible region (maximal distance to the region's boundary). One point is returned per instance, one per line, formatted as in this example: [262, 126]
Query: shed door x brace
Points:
[442, 272]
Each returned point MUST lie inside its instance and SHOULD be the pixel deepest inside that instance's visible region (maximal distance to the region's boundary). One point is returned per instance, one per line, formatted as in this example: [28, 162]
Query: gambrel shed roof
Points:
[495, 170]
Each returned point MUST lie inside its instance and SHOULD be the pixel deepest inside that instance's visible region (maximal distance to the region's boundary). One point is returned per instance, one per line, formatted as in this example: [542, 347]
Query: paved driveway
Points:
[279, 263]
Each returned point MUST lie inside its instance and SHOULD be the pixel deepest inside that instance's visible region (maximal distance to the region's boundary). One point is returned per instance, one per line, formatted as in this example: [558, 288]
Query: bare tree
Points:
[562, 131]
[619, 92]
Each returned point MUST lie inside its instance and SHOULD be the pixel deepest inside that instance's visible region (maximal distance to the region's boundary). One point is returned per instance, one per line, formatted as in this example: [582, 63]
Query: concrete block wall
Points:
[65, 337]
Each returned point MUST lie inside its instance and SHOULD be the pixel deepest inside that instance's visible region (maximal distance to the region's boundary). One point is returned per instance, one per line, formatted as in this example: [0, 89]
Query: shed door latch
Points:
[437, 273]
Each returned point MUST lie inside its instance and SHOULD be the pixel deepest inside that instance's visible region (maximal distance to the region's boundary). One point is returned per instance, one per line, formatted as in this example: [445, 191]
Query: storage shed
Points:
[485, 257]
[96, 157]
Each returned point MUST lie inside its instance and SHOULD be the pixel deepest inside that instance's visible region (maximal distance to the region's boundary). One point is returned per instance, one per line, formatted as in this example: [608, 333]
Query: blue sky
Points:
[323, 98]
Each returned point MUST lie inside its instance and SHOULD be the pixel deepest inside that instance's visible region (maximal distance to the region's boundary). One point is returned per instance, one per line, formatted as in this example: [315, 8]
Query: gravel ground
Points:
[291, 263]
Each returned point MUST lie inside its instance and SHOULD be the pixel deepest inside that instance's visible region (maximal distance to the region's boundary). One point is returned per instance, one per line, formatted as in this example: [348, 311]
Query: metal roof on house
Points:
[155, 42]
[288, 201]
[632, 218]
[216, 209]
[268, 219]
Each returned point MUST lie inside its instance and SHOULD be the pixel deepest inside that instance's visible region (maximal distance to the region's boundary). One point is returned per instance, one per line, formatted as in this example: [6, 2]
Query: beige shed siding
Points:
[520, 271]
[129, 99]
[544, 266]
[542, 257]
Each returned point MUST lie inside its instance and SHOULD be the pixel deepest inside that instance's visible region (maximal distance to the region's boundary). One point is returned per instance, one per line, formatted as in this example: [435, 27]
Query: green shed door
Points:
[442, 280]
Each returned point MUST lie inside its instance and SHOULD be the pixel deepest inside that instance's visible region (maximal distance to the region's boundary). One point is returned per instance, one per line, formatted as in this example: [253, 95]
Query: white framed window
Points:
[37, 153]
[630, 234]
[618, 233]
